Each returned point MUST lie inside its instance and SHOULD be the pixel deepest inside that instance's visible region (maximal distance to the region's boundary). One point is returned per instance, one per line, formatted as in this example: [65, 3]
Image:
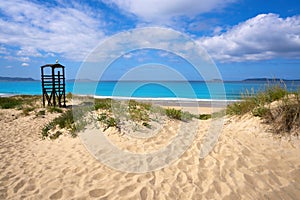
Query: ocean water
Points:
[190, 90]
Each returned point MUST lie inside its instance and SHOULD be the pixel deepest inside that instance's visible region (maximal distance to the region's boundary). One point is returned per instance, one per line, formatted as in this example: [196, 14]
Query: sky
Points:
[243, 38]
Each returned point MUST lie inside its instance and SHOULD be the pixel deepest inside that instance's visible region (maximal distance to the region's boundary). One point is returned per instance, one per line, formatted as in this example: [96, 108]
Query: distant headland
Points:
[2, 78]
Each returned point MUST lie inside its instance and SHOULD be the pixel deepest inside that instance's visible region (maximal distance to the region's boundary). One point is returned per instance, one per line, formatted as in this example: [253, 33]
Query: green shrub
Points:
[204, 116]
[250, 102]
[40, 113]
[46, 129]
[103, 104]
[18, 102]
[69, 95]
[173, 113]
[55, 109]
[55, 135]
[108, 121]
[138, 114]
[146, 124]
[178, 114]
[275, 93]
[283, 118]
[260, 111]
[10, 102]
[66, 120]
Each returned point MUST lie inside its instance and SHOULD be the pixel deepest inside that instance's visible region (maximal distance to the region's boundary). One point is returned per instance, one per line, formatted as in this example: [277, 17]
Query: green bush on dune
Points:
[178, 114]
[19, 101]
[283, 118]
[8, 102]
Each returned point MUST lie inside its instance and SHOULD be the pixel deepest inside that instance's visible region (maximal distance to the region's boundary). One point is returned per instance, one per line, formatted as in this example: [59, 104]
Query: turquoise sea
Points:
[191, 90]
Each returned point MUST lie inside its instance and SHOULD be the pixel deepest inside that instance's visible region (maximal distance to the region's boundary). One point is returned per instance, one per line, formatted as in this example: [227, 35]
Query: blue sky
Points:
[245, 38]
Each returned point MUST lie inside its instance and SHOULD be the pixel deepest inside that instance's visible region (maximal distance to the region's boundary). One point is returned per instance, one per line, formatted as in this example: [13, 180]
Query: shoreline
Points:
[159, 100]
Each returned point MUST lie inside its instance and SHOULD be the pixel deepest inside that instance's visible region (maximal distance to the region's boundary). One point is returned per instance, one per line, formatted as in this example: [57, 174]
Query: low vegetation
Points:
[19, 102]
[256, 102]
[66, 121]
[179, 114]
[276, 106]
[54, 110]
[111, 113]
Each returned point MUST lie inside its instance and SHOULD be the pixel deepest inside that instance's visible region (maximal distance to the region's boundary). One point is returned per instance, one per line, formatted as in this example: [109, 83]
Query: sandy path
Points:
[247, 163]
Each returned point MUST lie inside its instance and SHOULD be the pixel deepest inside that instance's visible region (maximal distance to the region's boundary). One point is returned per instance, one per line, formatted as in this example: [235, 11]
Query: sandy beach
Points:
[247, 162]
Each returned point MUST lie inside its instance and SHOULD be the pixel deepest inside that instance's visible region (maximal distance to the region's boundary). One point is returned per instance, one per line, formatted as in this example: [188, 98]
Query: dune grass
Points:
[255, 103]
[283, 118]
[18, 102]
[66, 120]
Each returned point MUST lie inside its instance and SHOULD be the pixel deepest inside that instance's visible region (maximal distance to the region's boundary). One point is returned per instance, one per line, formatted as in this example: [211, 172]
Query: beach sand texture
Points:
[246, 163]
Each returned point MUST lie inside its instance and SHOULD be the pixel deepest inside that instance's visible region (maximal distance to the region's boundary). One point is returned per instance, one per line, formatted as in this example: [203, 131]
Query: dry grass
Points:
[283, 118]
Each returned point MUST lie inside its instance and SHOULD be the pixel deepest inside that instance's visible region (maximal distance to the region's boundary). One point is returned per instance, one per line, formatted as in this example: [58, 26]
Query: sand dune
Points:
[246, 163]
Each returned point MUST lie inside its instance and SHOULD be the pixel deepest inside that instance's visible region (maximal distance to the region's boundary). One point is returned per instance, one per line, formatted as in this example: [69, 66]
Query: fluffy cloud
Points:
[263, 37]
[42, 29]
[163, 11]
[25, 64]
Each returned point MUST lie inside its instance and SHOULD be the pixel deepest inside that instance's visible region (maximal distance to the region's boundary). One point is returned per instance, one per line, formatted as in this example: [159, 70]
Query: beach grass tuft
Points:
[9, 102]
[179, 114]
[54, 110]
[19, 102]
[67, 121]
[256, 102]
[283, 117]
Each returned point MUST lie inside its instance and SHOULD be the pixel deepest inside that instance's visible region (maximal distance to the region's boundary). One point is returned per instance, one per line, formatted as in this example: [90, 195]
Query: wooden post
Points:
[43, 86]
[53, 86]
[64, 87]
[59, 93]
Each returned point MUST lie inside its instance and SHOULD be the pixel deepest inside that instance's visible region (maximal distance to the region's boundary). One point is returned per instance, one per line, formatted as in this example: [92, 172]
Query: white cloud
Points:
[25, 64]
[163, 11]
[29, 51]
[263, 37]
[41, 29]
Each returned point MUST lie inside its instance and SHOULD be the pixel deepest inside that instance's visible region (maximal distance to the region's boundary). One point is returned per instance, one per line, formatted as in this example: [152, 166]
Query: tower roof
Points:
[56, 65]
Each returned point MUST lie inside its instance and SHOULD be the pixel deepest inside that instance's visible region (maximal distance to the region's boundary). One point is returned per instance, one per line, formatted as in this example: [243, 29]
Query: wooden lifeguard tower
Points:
[53, 84]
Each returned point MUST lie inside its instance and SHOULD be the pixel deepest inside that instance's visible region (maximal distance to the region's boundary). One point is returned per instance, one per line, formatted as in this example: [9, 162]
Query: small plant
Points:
[107, 121]
[55, 109]
[103, 104]
[138, 114]
[66, 120]
[260, 111]
[41, 113]
[178, 114]
[46, 129]
[27, 110]
[204, 116]
[55, 135]
[69, 95]
[146, 124]
[9, 102]
[102, 117]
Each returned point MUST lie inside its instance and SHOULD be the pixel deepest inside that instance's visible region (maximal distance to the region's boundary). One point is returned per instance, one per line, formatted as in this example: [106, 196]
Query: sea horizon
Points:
[158, 90]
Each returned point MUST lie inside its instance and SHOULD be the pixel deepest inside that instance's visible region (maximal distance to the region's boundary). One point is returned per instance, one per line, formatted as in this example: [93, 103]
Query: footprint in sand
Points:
[97, 192]
[19, 186]
[57, 195]
[143, 193]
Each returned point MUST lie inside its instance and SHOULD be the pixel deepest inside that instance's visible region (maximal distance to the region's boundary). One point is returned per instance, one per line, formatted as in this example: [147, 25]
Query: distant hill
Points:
[15, 79]
[268, 79]
[80, 80]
